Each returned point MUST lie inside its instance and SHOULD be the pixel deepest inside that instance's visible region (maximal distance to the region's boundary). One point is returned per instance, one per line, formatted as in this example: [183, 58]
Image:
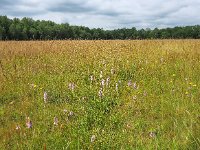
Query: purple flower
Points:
[71, 113]
[102, 82]
[107, 81]
[116, 86]
[134, 85]
[45, 97]
[29, 123]
[129, 83]
[55, 121]
[71, 86]
[101, 93]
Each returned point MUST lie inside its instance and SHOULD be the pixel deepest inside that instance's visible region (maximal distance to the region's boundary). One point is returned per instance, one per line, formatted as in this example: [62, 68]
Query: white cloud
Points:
[107, 14]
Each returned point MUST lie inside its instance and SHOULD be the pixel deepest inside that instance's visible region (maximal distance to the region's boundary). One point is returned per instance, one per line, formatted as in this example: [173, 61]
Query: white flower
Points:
[71, 86]
[93, 137]
[91, 78]
[17, 127]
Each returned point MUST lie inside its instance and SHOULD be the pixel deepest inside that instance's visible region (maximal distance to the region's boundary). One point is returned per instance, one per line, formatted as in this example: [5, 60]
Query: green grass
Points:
[159, 110]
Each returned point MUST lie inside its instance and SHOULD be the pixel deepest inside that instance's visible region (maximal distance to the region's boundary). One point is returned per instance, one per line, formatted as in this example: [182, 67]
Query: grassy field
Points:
[100, 94]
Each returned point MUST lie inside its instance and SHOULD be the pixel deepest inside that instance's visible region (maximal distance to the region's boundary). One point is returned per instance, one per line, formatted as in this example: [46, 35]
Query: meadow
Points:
[100, 94]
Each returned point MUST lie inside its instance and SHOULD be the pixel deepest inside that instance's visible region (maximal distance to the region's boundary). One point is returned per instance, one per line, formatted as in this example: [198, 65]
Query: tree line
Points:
[29, 29]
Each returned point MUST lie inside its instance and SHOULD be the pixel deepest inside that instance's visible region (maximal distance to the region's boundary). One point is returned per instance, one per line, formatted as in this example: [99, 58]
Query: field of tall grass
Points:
[100, 94]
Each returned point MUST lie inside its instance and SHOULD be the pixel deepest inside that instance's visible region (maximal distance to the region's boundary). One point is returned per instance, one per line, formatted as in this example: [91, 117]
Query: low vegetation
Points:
[100, 94]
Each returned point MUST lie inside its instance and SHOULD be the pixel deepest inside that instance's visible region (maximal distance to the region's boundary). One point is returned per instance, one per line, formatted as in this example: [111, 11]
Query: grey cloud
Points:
[108, 14]
[71, 7]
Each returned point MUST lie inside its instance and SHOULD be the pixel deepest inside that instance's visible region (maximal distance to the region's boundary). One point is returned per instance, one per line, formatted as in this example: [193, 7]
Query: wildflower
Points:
[194, 85]
[33, 85]
[102, 82]
[45, 97]
[161, 59]
[71, 113]
[28, 123]
[65, 110]
[55, 121]
[71, 86]
[174, 75]
[145, 93]
[107, 81]
[135, 85]
[112, 71]
[116, 86]
[186, 92]
[91, 78]
[134, 97]
[129, 83]
[17, 127]
[93, 137]
[101, 93]
[152, 134]
[101, 74]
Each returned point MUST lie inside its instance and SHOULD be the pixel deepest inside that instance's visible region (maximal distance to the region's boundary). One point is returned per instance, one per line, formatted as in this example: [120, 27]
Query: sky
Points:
[107, 14]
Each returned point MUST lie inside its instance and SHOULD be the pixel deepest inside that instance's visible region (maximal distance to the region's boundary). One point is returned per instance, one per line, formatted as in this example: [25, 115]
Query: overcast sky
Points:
[107, 14]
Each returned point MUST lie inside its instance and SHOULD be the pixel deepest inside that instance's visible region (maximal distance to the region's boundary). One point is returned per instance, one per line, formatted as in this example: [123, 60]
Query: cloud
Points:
[107, 14]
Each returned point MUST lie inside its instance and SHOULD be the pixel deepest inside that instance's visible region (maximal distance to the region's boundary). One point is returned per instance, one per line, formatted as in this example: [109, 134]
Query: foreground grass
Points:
[100, 94]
